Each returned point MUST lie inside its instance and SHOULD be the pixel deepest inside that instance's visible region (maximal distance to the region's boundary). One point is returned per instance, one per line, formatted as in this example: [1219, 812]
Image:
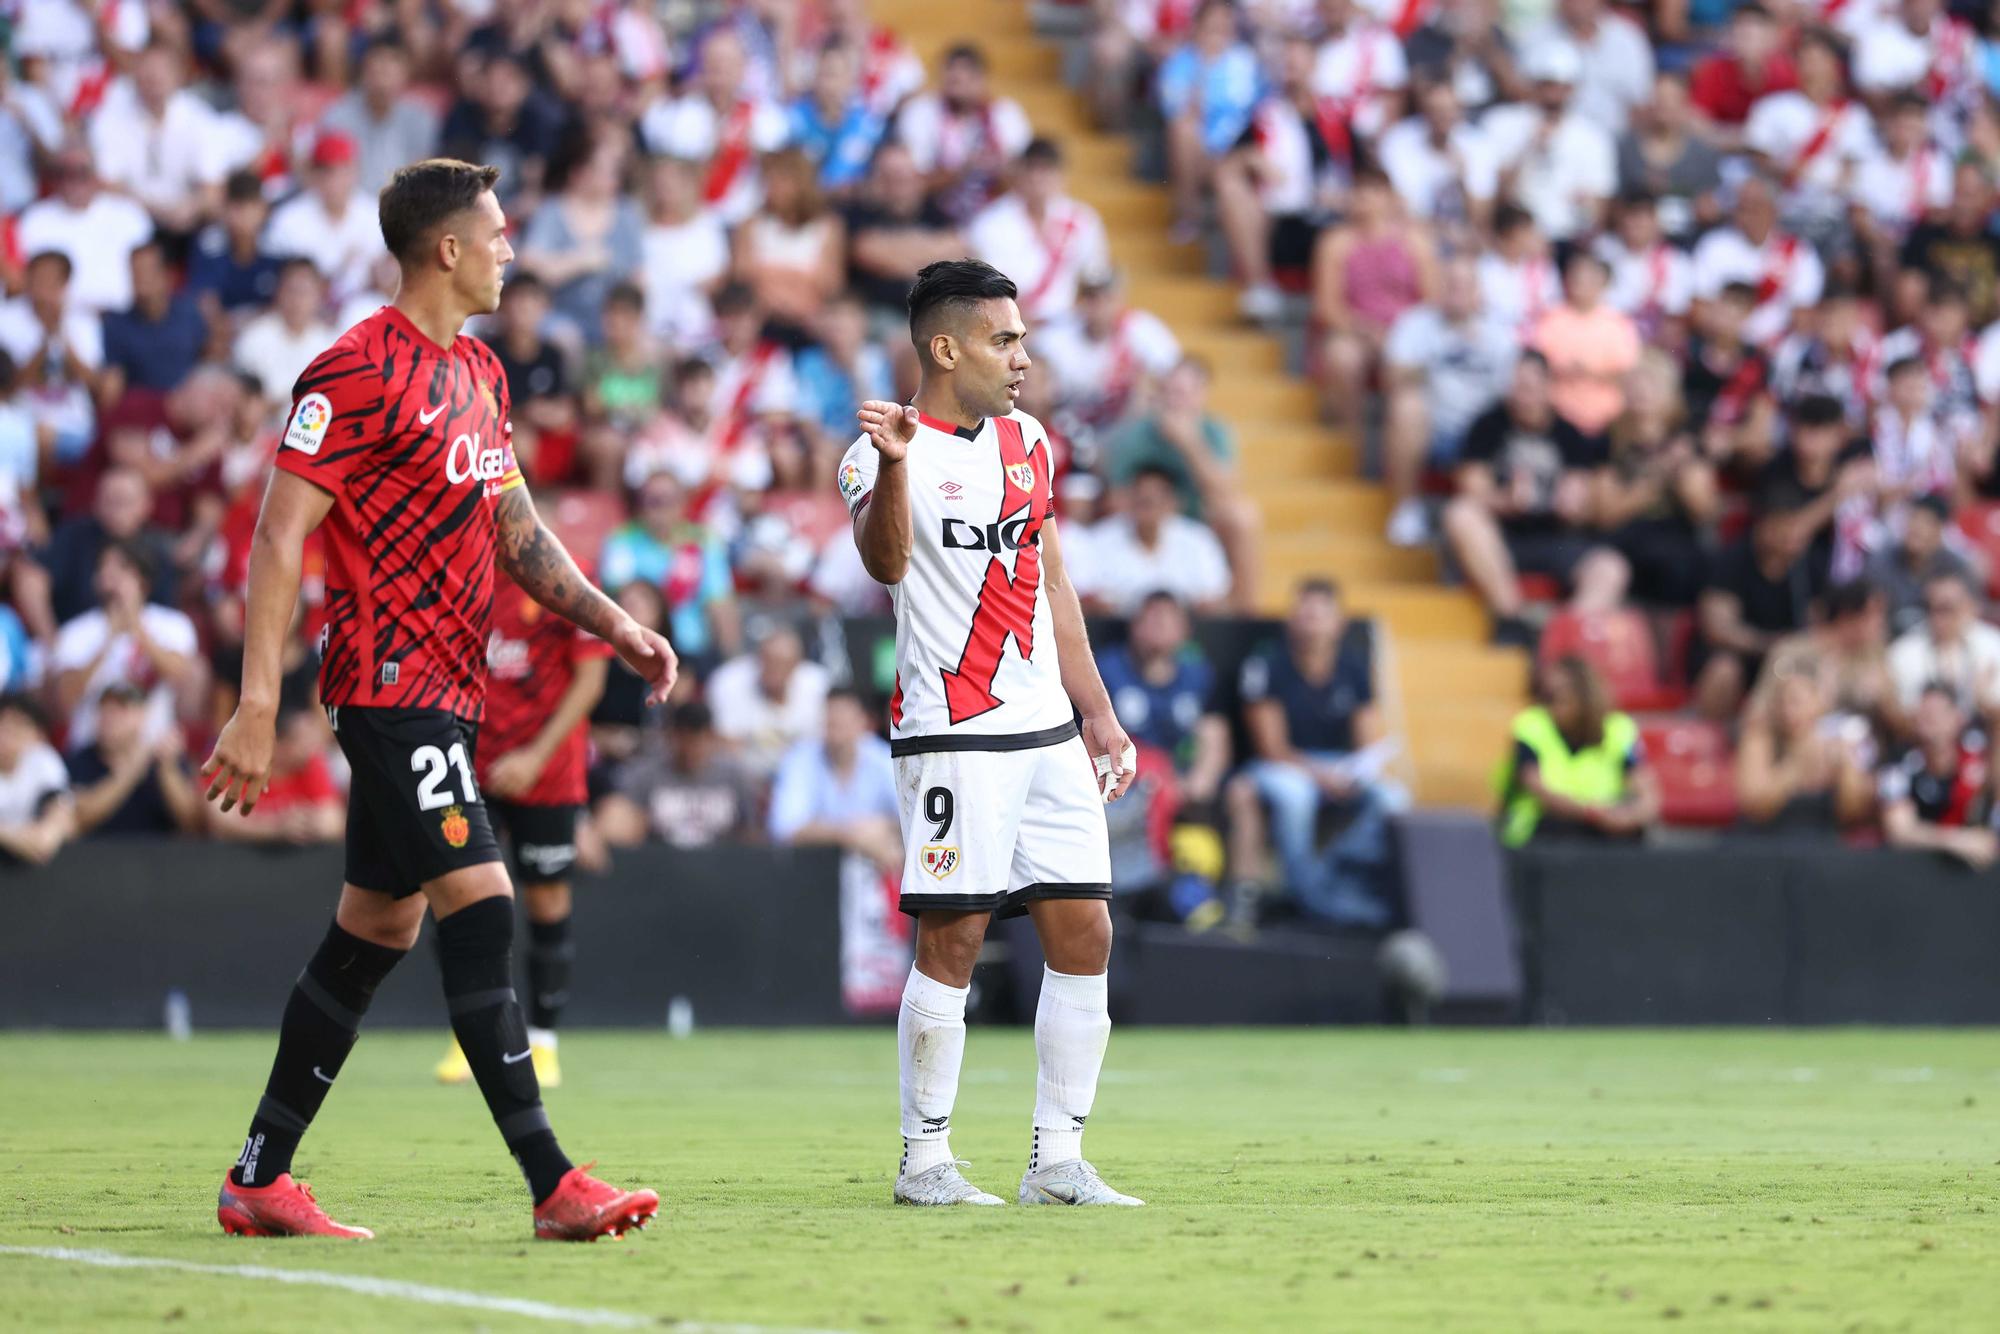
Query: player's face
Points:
[993, 359]
[483, 255]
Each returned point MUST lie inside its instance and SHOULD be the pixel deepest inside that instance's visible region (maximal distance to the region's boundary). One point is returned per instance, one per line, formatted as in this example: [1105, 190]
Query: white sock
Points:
[542, 1037]
[1072, 1027]
[930, 1037]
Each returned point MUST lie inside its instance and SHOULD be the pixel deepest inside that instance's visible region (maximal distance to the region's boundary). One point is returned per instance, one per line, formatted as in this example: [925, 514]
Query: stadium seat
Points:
[1696, 768]
[1620, 645]
[1980, 522]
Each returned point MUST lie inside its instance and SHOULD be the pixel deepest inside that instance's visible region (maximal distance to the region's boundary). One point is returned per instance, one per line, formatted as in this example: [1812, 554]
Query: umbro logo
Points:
[952, 490]
[934, 1124]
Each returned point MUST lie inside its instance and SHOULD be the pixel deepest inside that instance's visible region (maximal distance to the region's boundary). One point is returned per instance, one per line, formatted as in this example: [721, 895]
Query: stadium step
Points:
[1438, 669]
[1411, 611]
[1348, 508]
[1293, 555]
[1191, 301]
[1230, 352]
[1129, 208]
[1272, 449]
[1140, 251]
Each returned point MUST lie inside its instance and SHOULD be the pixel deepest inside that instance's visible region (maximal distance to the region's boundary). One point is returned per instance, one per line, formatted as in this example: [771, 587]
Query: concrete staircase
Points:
[1451, 695]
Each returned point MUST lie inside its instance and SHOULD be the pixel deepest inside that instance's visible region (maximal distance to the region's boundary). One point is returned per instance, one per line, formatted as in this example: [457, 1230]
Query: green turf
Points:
[1298, 1180]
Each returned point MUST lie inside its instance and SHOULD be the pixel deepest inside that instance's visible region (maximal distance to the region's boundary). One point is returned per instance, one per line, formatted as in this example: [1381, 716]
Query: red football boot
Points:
[584, 1209]
[285, 1208]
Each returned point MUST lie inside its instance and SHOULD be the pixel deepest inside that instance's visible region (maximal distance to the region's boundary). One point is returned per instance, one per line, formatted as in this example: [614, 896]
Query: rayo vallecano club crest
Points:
[939, 859]
[1022, 475]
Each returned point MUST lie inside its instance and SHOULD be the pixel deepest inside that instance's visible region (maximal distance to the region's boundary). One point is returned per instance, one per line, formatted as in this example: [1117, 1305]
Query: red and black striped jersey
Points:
[413, 442]
[530, 661]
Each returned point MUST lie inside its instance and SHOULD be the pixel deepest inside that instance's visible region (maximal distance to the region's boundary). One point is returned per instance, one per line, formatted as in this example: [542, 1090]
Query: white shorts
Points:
[989, 830]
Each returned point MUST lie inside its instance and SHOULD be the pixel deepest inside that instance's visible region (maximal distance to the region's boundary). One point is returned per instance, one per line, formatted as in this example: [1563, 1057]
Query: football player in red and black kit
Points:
[544, 675]
[398, 443]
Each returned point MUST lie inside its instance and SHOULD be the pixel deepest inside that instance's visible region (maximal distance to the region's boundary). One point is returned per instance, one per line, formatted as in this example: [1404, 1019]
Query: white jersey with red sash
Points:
[1044, 256]
[1351, 75]
[1785, 272]
[975, 647]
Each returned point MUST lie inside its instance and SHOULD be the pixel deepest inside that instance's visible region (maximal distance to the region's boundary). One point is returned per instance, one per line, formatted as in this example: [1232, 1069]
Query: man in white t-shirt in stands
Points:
[1040, 237]
[963, 136]
[1150, 547]
[126, 639]
[97, 229]
[331, 222]
[36, 814]
[1358, 74]
[719, 123]
[1918, 46]
[1277, 185]
[153, 139]
[1652, 279]
[1445, 364]
[1811, 139]
[1784, 271]
[1440, 163]
[1111, 358]
[1901, 179]
[1616, 72]
[278, 345]
[58, 346]
[1559, 164]
[769, 699]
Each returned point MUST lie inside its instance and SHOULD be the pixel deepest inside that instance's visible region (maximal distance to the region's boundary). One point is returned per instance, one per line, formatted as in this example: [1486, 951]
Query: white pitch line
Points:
[367, 1286]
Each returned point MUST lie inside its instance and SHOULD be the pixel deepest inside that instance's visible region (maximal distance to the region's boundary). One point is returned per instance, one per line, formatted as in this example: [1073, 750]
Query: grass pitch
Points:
[1298, 1180]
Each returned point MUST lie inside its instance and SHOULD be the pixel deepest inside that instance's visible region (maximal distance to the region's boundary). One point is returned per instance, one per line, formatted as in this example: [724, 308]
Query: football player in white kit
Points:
[1001, 813]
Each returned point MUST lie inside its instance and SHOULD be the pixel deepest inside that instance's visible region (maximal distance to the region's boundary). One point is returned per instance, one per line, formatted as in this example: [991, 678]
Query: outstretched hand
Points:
[889, 426]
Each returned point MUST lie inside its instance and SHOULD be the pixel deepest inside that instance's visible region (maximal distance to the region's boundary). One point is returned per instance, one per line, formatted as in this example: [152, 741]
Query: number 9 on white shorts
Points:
[991, 830]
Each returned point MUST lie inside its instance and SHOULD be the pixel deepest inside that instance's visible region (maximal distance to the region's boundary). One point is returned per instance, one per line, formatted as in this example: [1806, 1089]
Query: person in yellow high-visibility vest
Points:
[1576, 768]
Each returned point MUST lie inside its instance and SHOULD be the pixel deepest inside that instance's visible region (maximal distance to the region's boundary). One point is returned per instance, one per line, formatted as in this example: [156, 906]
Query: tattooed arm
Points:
[536, 559]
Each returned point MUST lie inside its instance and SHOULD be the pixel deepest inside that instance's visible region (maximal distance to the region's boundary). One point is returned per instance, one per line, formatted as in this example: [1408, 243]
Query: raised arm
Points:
[882, 527]
[536, 559]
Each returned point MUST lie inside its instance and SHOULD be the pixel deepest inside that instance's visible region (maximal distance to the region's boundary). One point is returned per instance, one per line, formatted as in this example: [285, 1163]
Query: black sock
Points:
[321, 1021]
[549, 955]
[476, 954]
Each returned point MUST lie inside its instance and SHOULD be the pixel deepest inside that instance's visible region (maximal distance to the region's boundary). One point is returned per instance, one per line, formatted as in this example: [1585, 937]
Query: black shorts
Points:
[413, 809]
[541, 840]
[1554, 552]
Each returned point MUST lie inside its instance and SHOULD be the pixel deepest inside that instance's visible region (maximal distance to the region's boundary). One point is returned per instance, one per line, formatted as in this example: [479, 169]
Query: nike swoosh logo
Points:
[426, 418]
[322, 1078]
[515, 1060]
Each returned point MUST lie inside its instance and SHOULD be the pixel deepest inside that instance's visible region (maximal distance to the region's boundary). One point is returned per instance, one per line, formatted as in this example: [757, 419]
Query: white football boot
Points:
[1073, 1182]
[942, 1184]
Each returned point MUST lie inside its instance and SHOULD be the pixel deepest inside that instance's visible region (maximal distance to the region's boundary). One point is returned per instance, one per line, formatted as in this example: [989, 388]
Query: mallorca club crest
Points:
[939, 859]
[455, 827]
[491, 399]
[1022, 475]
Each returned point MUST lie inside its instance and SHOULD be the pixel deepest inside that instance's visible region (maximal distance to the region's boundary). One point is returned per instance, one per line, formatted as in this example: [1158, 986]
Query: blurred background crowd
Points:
[1672, 329]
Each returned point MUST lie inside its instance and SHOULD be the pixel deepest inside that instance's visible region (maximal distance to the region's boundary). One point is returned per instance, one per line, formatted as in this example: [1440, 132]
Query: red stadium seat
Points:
[1981, 523]
[1541, 588]
[1620, 645]
[1696, 769]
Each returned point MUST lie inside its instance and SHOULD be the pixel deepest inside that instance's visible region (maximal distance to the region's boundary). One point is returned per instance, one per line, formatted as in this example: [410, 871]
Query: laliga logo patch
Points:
[1022, 475]
[939, 859]
[308, 425]
[455, 827]
[850, 481]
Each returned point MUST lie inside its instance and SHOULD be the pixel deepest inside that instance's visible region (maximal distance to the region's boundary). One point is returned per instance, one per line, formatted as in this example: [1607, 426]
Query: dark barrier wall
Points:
[748, 935]
[1743, 934]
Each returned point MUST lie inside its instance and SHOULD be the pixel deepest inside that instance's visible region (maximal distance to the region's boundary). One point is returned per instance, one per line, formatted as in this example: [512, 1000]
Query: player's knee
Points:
[548, 901]
[1085, 949]
[381, 920]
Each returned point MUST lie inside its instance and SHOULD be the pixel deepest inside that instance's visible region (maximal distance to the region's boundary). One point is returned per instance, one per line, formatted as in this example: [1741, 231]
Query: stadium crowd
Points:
[1680, 320]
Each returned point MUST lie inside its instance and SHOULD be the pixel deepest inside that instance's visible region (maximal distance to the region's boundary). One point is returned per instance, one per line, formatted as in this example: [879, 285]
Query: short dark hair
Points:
[948, 290]
[1851, 597]
[242, 187]
[626, 294]
[1740, 291]
[425, 194]
[1320, 585]
[53, 257]
[135, 555]
[1818, 410]
[693, 716]
[1902, 366]
[852, 694]
[25, 706]
[967, 53]
[524, 283]
[1042, 152]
